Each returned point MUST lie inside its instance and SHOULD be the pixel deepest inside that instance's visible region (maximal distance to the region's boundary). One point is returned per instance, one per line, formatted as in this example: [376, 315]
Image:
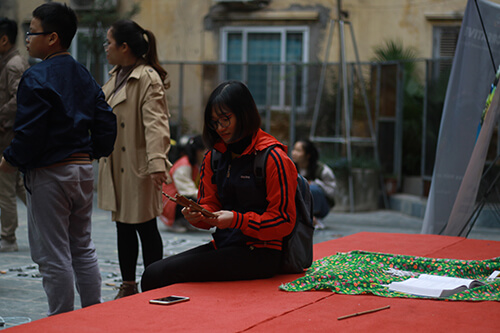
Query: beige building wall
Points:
[180, 23]
[178, 27]
[188, 31]
[406, 20]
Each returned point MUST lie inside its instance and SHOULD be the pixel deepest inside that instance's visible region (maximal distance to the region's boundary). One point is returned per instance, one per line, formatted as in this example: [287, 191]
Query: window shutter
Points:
[448, 38]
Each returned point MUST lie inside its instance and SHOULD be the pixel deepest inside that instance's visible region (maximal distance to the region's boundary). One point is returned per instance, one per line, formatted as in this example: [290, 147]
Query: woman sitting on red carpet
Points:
[251, 219]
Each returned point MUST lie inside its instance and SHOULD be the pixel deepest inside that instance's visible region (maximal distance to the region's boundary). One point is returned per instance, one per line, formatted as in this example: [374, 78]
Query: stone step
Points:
[415, 206]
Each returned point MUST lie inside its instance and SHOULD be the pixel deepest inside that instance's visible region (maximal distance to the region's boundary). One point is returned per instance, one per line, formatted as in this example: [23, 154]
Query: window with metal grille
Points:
[270, 60]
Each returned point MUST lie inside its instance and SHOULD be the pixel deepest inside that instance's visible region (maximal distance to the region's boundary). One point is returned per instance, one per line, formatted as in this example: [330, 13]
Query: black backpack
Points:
[298, 245]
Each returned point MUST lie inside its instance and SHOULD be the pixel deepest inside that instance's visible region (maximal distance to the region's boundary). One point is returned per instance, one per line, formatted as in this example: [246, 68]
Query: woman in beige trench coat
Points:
[130, 178]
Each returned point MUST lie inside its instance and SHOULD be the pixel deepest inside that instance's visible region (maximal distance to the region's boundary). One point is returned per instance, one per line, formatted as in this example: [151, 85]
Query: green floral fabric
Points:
[360, 272]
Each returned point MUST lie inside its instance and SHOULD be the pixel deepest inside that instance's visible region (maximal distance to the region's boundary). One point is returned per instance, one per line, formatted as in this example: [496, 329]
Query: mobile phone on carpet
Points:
[169, 300]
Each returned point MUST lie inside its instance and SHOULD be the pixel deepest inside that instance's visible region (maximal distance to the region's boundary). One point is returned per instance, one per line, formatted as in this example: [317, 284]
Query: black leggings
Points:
[128, 246]
[205, 263]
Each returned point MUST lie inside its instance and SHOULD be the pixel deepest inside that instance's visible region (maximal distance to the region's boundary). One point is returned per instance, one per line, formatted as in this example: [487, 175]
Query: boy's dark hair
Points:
[8, 28]
[127, 31]
[59, 18]
[231, 96]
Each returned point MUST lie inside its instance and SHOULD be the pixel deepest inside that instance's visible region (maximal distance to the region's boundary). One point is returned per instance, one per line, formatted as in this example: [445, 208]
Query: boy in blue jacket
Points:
[62, 123]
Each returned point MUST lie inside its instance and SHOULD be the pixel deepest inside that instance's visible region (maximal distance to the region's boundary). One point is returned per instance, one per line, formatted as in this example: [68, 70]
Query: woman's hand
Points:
[191, 216]
[159, 178]
[222, 221]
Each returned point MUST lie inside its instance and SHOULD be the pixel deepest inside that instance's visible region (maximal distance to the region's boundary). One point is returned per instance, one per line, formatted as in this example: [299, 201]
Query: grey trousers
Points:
[59, 232]
[11, 186]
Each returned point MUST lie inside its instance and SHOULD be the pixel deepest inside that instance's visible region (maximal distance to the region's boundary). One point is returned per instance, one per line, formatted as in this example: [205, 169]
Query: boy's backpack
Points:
[298, 245]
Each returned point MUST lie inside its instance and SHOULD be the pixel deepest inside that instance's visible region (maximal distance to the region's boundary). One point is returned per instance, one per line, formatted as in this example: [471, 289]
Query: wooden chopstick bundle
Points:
[169, 197]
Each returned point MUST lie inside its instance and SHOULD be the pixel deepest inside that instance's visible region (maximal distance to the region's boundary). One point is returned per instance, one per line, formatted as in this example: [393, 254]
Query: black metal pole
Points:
[486, 37]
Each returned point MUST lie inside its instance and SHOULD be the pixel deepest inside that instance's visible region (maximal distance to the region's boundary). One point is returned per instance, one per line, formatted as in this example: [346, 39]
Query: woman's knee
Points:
[153, 276]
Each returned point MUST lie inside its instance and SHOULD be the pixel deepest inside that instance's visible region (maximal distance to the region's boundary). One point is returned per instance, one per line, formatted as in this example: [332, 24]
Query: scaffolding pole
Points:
[347, 139]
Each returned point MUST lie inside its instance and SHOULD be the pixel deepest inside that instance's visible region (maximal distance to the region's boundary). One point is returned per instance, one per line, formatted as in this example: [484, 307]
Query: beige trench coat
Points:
[142, 144]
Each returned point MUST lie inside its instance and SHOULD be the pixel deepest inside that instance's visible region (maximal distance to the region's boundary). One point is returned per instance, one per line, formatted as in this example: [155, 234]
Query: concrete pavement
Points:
[22, 298]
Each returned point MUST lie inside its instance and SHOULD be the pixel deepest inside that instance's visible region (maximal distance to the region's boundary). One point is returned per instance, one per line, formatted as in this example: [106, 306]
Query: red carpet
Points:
[258, 306]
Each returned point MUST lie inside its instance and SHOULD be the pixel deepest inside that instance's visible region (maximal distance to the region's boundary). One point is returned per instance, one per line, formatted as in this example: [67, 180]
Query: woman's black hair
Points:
[234, 97]
[127, 31]
[312, 155]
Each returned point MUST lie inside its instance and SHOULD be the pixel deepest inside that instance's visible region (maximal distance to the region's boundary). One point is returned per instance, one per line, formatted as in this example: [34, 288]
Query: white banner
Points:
[466, 196]
[470, 81]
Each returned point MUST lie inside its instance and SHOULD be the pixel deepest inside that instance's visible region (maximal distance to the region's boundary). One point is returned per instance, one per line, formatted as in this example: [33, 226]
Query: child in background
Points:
[185, 175]
[321, 179]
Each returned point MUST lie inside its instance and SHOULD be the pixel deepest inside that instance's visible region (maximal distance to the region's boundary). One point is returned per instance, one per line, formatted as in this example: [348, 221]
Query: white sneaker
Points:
[6, 246]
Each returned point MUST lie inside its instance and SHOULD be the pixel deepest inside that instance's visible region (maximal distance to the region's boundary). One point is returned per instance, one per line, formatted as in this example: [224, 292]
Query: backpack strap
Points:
[214, 163]
[259, 164]
[301, 183]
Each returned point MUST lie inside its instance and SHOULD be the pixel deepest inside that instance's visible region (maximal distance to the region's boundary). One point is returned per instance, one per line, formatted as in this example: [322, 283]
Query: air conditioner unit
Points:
[81, 5]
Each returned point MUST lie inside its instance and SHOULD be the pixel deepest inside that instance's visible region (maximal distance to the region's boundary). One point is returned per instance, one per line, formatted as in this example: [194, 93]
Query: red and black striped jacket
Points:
[263, 215]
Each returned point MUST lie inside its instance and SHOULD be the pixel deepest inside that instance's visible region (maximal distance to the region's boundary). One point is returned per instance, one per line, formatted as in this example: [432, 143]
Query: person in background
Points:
[12, 67]
[62, 123]
[185, 175]
[251, 219]
[130, 180]
[320, 177]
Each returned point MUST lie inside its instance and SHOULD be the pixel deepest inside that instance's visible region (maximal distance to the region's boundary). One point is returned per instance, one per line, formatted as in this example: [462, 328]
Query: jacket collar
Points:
[260, 141]
[136, 72]
[117, 98]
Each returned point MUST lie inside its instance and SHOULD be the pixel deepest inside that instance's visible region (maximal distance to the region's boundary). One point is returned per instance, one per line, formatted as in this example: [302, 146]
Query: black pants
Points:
[128, 246]
[205, 263]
